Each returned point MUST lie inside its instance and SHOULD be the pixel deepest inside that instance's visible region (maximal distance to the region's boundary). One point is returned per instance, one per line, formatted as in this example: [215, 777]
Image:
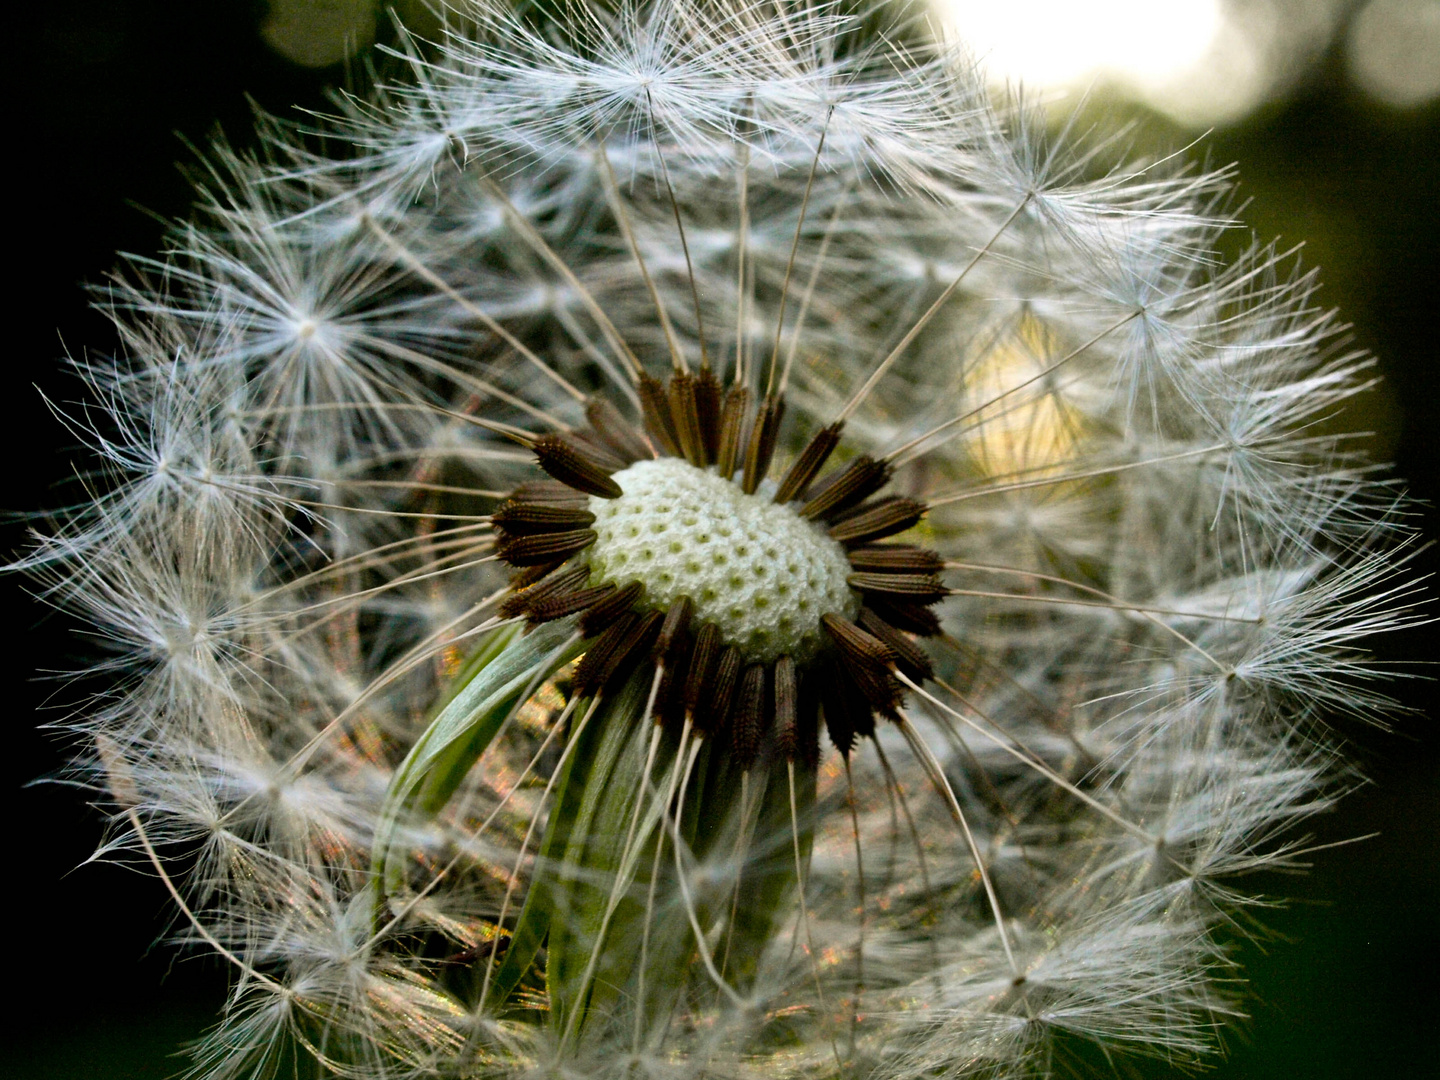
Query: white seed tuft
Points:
[1161, 568]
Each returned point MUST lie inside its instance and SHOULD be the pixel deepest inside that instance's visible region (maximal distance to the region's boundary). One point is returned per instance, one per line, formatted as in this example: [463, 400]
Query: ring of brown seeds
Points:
[836, 637]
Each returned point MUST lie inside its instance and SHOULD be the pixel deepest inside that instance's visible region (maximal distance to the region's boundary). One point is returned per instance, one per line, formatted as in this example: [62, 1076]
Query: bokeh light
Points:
[1200, 62]
[1393, 51]
[1050, 43]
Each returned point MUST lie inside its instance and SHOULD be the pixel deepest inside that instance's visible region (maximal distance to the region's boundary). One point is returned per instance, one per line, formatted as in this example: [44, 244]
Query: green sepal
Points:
[590, 886]
[586, 903]
[508, 665]
[533, 923]
[769, 875]
[597, 894]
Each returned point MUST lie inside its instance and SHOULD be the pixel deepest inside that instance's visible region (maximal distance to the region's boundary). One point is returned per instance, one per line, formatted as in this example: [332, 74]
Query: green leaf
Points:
[599, 895]
[533, 924]
[580, 796]
[590, 884]
[768, 885]
[506, 669]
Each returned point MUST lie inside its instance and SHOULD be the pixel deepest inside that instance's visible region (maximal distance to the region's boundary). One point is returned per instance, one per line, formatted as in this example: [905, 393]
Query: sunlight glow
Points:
[1035, 434]
[1201, 62]
[1048, 43]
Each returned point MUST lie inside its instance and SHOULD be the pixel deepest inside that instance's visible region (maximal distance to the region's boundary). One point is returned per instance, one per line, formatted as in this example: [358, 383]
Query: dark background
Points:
[1346, 986]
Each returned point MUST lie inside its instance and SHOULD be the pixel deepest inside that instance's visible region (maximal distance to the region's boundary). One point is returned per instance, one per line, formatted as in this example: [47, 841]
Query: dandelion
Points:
[690, 540]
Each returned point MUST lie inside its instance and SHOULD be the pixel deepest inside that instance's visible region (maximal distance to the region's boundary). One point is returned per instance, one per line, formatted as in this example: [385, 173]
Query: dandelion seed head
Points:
[698, 542]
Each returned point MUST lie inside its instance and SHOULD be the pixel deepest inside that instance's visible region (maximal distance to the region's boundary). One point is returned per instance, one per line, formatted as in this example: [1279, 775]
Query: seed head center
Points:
[760, 572]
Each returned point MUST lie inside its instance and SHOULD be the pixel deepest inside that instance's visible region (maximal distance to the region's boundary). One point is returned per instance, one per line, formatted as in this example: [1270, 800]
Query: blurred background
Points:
[1330, 108]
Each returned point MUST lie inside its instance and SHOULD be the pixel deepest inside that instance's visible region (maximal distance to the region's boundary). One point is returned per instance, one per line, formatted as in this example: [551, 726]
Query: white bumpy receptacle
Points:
[760, 572]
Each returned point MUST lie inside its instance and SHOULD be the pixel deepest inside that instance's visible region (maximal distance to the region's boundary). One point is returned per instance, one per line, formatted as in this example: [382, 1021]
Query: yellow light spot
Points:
[1028, 428]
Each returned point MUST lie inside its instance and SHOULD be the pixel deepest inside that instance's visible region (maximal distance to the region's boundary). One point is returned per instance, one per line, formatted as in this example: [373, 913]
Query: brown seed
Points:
[669, 703]
[526, 517]
[676, 658]
[630, 649]
[550, 608]
[593, 446]
[523, 579]
[909, 657]
[749, 718]
[881, 689]
[862, 478]
[655, 408]
[817, 451]
[570, 463]
[702, 660]
[857, 646]
[847, 714]
[807, 722]
[820, 486]
[616, 432]
[573, 578]
[592, 666]
[677, 624]
[761, 447]
[881, 518]
[543, 547]
[732, 427]
[609, 609]
[854, 699]
[707, 409]
[895, 559]
[911, 618]
[787, 741]
[866, 660]
[916, 588]
[548, 491]
[685, 418]
[529, 593]
[720, 694]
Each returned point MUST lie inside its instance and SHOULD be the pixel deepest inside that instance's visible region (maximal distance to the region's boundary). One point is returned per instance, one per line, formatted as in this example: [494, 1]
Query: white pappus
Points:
[682, 539]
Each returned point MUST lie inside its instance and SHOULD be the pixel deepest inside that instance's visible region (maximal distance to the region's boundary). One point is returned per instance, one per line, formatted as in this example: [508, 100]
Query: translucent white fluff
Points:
[1160, 564]
[760, 572]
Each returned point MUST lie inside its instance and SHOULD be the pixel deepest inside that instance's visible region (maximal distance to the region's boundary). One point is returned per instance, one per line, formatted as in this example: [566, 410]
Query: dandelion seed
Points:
[698, 544]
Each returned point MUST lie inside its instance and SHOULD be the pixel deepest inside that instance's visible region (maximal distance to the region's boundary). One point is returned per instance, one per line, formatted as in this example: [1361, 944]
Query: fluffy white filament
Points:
[1162, 566]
